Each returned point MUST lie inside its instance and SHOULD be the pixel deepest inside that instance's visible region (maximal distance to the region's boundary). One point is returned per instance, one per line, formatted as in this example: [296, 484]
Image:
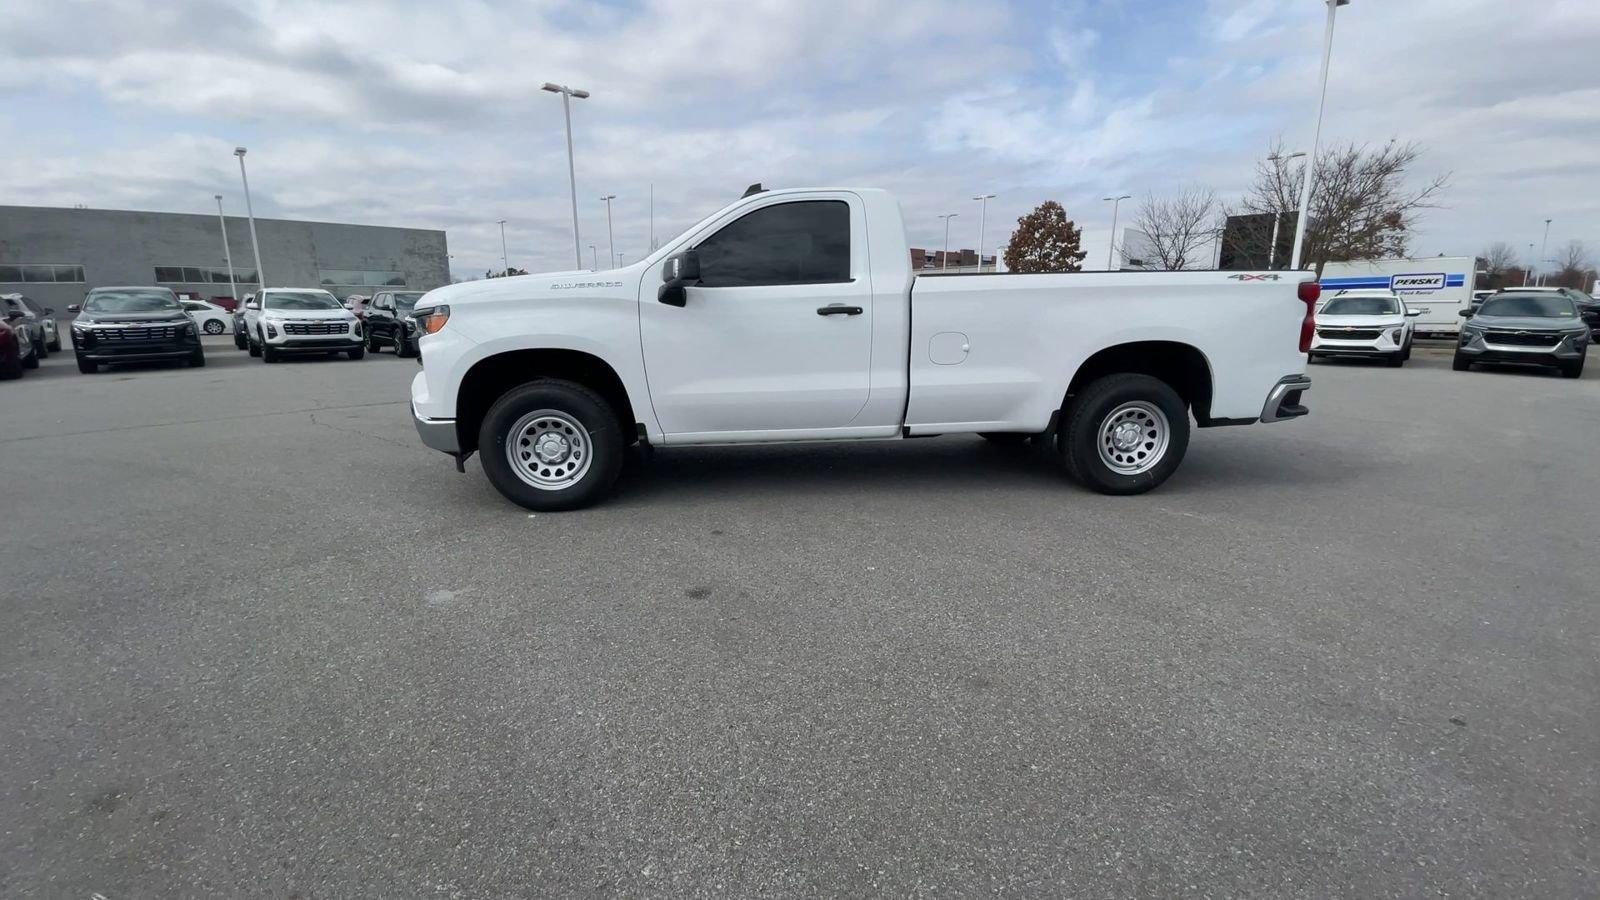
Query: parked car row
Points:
[1532, 326]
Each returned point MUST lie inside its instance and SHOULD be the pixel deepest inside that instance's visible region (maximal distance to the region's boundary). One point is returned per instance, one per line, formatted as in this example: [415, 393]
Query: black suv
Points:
[1538, 328]
[133, 324]
[389, 321]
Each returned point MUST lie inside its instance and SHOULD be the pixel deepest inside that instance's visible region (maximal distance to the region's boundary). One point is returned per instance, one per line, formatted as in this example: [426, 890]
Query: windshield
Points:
[301, 300]
[1544, 306]
[131, 300]
[407, 300]
[1361, 306]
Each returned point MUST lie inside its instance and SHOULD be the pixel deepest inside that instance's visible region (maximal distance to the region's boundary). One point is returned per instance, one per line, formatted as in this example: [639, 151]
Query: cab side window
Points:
[806, 242]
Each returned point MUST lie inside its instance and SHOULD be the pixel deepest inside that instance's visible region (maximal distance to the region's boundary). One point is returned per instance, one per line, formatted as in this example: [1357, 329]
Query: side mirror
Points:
[252, 305]
[12, 315]
[1465, 312]
[74, 308]
[678, 273]
[1413, 313]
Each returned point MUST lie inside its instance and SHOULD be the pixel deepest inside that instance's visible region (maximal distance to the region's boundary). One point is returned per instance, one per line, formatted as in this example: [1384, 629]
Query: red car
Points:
[16, 350]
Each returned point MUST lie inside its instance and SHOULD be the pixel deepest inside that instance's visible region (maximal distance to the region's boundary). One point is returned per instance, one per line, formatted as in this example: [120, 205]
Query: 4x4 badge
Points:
[1247, 277]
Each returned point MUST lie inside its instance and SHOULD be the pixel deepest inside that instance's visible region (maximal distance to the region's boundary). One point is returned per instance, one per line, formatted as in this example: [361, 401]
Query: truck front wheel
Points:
[551, 445]
[1125, 434]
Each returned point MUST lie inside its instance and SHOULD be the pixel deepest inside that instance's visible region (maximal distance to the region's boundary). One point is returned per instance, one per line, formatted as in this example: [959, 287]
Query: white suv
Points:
[1364, 323]
[279, 321]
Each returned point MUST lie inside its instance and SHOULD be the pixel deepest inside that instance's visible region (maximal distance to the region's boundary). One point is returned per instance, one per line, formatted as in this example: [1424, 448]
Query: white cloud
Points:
[430, 114]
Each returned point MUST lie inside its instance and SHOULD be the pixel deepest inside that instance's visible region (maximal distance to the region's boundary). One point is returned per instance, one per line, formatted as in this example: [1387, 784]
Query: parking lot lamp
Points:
[1116, 205]
[504, 259]
[594, 259]
[250, 213]
[611, 241]
[1277, 217]
[1316, 137]
[983, 218]
[227, 255]
[1543, 246]
[945, 262]
[567, 93]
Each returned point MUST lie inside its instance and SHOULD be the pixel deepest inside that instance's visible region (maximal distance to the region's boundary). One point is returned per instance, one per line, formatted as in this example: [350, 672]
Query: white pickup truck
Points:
[795, 315]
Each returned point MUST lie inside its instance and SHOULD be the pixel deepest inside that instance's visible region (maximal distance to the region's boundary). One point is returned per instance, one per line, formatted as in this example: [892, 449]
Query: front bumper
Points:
[440, 434]
[1476, 347]
[340, 344]
[1283, 401]
[89, 347]
[1388, 343]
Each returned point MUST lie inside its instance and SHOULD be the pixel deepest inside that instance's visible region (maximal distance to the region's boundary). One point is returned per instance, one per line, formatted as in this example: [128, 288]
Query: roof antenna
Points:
[753, 189]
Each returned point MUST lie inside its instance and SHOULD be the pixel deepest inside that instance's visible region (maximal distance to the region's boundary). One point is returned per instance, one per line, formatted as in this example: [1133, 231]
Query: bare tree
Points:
[1361, 205]
[1498, 257]
[1573, 267]
[1178, 227]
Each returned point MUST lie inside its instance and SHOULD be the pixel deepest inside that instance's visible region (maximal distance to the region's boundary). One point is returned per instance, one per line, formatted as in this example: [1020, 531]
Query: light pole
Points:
[594, 259]
[946, 261]
[611, 241]
[567, 93]
[1316, 138]
[505, 259]
[1277, 217]
[1527, 270]
[1543, 246]
[227, 254]
[255, 246]
[652, 217]
[1116, 205]
[983, 217]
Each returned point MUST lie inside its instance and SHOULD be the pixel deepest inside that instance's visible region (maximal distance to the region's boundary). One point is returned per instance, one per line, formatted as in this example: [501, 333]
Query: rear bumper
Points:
[1283, 401]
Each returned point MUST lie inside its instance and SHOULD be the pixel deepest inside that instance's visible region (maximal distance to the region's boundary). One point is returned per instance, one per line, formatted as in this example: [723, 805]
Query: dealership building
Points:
[55, 255]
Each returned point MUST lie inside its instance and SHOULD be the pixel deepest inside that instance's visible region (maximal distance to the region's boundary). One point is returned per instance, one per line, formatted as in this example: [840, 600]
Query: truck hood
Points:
[1525, 323]
[525, 287]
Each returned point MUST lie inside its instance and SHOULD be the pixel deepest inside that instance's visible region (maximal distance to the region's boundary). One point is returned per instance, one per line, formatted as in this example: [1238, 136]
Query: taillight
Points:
[1309, 292]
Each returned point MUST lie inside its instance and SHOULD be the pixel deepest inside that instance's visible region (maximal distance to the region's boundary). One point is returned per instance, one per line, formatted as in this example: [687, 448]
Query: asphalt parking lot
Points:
[259, 641]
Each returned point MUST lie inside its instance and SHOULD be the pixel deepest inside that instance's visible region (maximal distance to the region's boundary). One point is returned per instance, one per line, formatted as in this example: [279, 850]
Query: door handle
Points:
[837, 310]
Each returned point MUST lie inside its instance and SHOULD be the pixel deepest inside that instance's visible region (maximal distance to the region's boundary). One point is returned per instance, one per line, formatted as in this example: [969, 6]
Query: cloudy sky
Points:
[429, 114]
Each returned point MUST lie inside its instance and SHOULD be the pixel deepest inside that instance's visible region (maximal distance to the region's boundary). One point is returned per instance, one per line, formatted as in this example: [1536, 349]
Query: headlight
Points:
[186, 328]
[432, 319]
[355, 328]
[272, 330]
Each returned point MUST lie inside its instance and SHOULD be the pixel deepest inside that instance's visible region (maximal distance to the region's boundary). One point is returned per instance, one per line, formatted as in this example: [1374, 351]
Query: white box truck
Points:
[1438, 286]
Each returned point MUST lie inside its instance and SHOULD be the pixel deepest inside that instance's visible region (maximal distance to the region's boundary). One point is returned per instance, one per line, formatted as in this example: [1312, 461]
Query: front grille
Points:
[154, 333]
[1349, 334]
[315, 327]
[1522, 338]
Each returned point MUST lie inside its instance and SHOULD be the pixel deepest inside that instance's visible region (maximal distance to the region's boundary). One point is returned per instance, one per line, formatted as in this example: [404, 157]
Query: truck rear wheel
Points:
[1125, 434]
[551, 445]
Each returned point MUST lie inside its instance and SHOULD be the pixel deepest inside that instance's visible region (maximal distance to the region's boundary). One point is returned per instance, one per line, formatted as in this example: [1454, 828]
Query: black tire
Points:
[1396, 360]
[87, 367]
[372, 340]
[32, 362]
[11, 370]
[254, 348]
[197, 359]
[41, 350]
[588, 408]
[269, 355]
[1005, 438]
[357, 352]
[240, 341]
[55, 345]
[1460, 363]
[1406, 353]
[1573, 369]
[1089, 414]
[402, 346]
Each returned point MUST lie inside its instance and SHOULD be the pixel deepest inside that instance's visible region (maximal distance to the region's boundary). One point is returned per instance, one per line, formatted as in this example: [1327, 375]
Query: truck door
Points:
[777, 336]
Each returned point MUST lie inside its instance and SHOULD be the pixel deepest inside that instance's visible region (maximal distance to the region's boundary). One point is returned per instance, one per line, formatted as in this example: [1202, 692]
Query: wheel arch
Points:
[491, 377]
[1181, 365]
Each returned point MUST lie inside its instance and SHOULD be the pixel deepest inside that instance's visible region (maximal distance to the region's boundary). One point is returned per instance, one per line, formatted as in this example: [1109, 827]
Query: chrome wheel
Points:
[549, 450]
[1134, 437]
